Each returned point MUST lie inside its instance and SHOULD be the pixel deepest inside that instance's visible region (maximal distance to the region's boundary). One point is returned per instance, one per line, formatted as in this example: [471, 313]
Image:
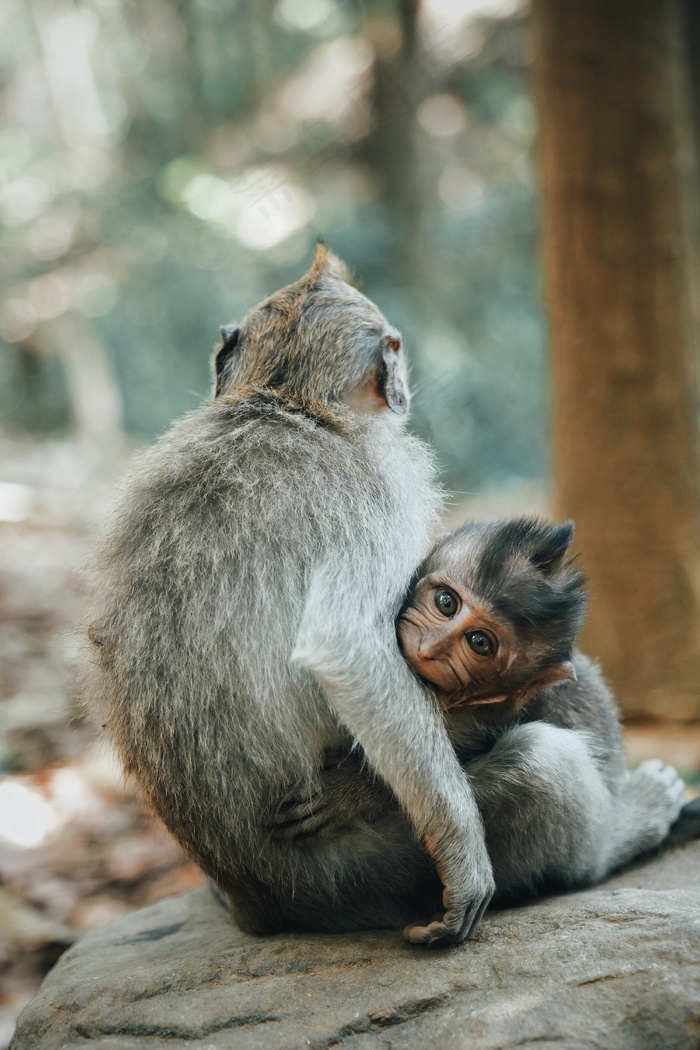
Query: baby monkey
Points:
[490, 624]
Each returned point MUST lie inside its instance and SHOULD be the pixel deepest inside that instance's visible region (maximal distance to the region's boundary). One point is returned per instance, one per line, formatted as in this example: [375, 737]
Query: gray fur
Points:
[244, 596]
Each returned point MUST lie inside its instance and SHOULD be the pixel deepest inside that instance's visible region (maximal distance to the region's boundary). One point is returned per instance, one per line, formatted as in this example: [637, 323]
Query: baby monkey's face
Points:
[452, 641]
[495, 616]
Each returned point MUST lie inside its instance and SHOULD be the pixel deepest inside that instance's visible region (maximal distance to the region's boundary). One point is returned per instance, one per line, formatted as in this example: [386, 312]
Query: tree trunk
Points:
[624, 428]
[399, 83]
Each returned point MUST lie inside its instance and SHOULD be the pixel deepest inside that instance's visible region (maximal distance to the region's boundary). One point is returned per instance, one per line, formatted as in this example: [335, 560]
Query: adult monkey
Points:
[245, 597]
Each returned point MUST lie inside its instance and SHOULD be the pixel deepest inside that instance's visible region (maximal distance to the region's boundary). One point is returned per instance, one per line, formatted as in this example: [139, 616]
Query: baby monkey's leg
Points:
[548, 813]
[551, 819]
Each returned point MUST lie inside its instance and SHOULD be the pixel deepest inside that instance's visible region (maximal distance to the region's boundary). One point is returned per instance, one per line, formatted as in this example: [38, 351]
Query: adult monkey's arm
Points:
[398, 723]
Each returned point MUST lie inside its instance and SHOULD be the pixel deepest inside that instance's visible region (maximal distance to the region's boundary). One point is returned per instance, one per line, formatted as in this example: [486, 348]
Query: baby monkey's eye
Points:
[446, 602]
[480, 643]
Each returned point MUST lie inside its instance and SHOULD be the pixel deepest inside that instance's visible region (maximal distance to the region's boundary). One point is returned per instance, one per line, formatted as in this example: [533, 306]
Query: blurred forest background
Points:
[166, 164]
[163, 166]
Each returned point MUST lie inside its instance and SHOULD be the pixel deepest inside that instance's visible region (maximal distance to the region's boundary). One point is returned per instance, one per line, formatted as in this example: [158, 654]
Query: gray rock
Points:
[616, 967]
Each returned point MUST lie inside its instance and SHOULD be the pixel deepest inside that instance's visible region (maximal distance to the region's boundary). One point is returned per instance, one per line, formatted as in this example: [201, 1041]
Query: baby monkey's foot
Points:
[656, 788]
[666, 783]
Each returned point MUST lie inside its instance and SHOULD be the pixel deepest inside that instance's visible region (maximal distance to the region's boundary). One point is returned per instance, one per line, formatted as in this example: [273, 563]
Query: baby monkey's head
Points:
[494, 612]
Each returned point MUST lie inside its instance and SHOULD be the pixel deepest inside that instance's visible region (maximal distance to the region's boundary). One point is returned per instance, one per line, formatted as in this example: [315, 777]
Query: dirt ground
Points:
[77, 846]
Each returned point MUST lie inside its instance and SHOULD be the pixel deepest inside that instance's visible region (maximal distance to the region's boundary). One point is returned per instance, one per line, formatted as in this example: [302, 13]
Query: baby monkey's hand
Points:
[343, 791]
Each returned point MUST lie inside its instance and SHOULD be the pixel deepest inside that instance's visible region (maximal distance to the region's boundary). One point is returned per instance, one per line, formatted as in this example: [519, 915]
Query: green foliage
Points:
[166, 165]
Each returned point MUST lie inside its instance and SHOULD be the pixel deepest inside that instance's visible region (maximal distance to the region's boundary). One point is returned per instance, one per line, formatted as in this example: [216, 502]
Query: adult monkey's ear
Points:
[392, 383]
[326, 264]
[223, 356]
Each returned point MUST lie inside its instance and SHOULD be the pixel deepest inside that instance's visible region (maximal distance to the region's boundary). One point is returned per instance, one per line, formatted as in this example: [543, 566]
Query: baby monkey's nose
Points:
[431, 648]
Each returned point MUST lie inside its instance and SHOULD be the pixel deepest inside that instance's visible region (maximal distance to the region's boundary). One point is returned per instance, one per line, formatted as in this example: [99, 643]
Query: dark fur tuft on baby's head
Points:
[519, 568]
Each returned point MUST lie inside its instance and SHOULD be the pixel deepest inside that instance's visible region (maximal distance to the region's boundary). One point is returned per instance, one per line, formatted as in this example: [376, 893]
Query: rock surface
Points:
[616, 967]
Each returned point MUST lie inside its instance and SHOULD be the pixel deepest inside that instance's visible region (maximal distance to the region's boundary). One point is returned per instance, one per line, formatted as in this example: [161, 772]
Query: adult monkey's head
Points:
[318, 344]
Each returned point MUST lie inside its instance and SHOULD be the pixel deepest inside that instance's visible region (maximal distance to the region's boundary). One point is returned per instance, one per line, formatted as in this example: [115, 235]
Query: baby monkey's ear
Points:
[551, 547]
[562, 672]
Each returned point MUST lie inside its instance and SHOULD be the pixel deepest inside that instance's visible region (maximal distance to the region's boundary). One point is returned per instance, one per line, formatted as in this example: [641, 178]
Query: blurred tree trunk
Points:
[398, 87]
[624, 426]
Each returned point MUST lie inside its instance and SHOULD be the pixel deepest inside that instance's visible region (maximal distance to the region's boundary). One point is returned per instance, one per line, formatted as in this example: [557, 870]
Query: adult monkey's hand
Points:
[401, 730]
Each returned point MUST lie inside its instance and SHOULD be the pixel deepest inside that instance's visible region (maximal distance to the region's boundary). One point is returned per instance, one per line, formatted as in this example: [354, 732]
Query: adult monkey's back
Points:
[245, 595]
